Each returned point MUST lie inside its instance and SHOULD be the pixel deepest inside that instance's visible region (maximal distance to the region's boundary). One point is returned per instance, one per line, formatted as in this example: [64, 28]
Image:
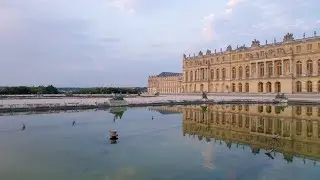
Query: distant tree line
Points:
[108, 91]
[20, 90]
[29, 90]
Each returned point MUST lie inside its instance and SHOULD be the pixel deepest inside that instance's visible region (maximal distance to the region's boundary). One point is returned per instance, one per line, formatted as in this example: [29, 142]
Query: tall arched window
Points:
[278, 68]
[201, 88]
[240, 87]
[261, 69]
[218, 74]
[260, 87]
[187, 74]
[233, 87]
[223, 73]
[234, 73]
[309, 86]
[299, 68]
[309, 67]
[268, 87]
[277, 87]
[247, 87]
[196, 74]
[240, 72]
[270, 69]
[248, 71]
[298, 86]
[318, 86]
[191, 76]
[212, 73]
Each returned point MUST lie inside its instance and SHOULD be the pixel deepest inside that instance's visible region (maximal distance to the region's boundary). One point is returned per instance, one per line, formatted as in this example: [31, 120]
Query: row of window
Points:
[215, 74]
[309, 86]
[168, 90]
[298, 49]
[246, 87]
[277, 87]
[267, 87]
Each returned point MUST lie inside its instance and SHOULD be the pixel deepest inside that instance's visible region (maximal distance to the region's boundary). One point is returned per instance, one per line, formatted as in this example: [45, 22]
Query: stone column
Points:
[257, 71]
[265, 68]
[206, 73]
[203, 73]
[282, 66]
[196, 75]
[273, 68]
[290, 66]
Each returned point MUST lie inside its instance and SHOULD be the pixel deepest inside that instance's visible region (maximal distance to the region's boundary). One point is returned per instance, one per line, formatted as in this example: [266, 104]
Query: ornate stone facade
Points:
[290, 66]
[165, 83]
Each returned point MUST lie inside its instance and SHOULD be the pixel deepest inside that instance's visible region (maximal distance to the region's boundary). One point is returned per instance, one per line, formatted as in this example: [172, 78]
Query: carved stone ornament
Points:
[255, 43]
[208, 52]
[200, 53]
[288, 37]
[229, 48]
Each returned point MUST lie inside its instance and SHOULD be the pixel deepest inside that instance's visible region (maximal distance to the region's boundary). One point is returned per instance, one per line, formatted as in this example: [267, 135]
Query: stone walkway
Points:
[4, 103]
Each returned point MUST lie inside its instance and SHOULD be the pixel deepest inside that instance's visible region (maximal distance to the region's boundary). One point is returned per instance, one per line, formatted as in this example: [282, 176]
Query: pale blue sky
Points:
[121, 42]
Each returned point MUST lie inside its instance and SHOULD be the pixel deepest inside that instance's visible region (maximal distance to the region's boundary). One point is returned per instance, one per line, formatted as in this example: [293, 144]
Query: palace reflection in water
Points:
[292, 131]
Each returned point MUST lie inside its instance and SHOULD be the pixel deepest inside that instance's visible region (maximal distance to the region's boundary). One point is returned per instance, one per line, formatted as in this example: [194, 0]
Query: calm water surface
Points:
[225, 142]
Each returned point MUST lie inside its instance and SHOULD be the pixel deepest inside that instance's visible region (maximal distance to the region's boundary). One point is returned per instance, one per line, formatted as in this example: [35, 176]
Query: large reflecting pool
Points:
[191, 142]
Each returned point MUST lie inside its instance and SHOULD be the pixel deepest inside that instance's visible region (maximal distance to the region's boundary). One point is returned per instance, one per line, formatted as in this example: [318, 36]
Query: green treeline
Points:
[29, 90]
[107, 91]
[20, 90]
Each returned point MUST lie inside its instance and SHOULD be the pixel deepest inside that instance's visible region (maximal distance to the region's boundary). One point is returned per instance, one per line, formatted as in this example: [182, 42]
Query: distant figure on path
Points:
[23, 127]
[204, 95]
[152, 118]
[73, 123]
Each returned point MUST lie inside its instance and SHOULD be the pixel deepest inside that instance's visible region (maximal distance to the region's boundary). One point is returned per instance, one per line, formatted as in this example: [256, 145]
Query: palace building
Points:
[289, 66]
[165, 82]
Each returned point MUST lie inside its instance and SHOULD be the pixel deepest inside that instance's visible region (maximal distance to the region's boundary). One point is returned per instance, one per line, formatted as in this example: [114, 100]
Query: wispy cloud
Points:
[124, 5]
[72, 44]
[208, 30]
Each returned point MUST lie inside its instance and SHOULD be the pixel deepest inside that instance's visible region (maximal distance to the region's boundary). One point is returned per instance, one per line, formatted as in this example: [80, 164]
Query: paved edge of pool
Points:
[170, 103]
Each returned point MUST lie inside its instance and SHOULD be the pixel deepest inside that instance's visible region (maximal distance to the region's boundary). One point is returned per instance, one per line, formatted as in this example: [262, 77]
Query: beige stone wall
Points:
[291, 66]
[164, 85]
